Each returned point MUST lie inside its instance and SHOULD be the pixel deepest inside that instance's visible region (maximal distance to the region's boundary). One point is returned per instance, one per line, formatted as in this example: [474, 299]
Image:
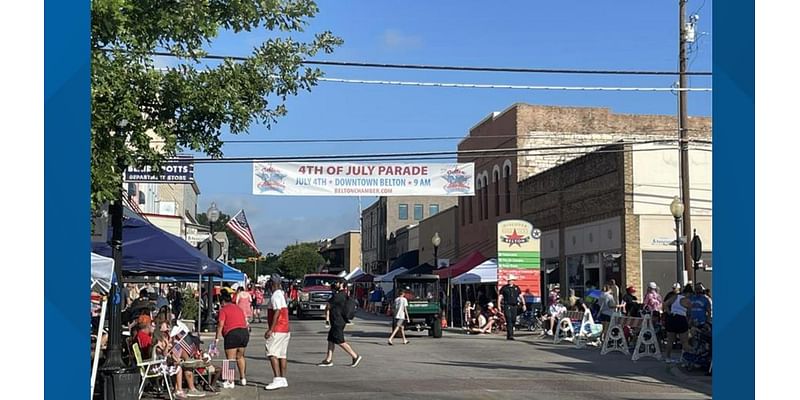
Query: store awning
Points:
[486, 272]
[464, 265]
[423, 269]
[148, 250]
[408, 259]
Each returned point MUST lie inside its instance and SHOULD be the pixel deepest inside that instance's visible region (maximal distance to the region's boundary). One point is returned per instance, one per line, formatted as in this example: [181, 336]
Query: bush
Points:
[189, 309]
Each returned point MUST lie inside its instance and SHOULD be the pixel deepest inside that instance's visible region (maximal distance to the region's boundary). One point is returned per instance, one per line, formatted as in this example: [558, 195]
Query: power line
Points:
[516, 87]
[453, 67]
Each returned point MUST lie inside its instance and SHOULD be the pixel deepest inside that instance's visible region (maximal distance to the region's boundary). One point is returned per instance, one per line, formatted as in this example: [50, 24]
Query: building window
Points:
[486, 197]
[496, 193]
[419, 210]
[470, 209]
[434, 209]
[480, 203]
[507, 177]
[142, 199]
[402, 211]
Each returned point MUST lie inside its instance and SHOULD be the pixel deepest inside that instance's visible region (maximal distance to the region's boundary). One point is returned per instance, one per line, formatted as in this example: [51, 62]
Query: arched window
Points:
[469, 204]
[480, 199]
[485, 195]
[507, 178]
[496, 184]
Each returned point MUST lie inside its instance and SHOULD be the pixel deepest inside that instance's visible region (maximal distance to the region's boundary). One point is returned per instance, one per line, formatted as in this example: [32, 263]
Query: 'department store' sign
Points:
[363, 179]
[175, 170]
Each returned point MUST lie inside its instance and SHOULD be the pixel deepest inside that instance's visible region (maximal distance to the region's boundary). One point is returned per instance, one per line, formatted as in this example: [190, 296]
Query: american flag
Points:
[228, 373]
[182, 345]
[238, 224]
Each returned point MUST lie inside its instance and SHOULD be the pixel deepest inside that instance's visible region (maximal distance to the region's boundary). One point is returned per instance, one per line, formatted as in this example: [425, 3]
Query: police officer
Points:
[510, 298]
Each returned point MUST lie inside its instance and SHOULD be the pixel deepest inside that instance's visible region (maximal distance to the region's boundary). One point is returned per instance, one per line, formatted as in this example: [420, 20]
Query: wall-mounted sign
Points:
[175, 170]
[363, 179]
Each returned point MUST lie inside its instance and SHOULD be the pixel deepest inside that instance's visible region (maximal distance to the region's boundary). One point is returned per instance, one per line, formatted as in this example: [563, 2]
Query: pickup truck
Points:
[313, 294]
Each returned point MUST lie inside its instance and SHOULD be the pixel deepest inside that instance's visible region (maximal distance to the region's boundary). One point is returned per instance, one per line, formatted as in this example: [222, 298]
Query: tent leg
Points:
[199, 309]
[98, 345]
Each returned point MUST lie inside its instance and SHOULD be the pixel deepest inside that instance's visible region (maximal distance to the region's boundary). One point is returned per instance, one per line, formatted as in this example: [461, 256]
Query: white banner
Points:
[363, 179]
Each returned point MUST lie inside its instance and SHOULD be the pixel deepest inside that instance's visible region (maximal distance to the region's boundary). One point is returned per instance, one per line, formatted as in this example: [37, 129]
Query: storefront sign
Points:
[362, 179]
[176, 170]
[518, 253]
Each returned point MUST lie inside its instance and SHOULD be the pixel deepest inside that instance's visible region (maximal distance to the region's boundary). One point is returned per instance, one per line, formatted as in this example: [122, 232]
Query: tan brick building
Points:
[525, 126]
[343, 252]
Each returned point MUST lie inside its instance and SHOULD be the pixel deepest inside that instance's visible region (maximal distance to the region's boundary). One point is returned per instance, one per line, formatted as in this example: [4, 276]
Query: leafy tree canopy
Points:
[185, 107]
[300, 259]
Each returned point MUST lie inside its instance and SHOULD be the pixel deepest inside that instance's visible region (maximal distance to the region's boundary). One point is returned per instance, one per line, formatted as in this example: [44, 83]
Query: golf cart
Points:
[424, 307]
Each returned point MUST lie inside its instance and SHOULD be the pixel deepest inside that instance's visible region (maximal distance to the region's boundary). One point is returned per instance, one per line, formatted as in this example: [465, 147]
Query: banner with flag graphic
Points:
[238, 224]
[228, 372]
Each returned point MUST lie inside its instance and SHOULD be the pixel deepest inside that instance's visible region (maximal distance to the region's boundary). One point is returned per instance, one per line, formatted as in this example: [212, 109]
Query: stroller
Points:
[531, 320]
[699, 354]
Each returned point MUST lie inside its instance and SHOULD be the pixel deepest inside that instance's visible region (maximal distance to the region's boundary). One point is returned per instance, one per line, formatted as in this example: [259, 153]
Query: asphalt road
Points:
[457, 366]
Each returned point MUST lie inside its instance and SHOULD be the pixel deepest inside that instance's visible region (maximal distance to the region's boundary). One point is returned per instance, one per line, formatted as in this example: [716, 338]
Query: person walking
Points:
[400, 316]
[335, 318]
[245, 303]
[701, 306]
[277, 335]
[510, 299]
[653, 302]
[607, 306]
[677, 322]
[232, 326]
[615, 292]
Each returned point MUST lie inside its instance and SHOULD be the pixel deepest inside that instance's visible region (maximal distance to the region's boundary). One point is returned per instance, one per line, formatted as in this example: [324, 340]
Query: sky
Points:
[572, 34]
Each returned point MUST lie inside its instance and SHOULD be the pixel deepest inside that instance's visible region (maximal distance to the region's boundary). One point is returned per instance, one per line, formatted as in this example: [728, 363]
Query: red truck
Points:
[313, 294]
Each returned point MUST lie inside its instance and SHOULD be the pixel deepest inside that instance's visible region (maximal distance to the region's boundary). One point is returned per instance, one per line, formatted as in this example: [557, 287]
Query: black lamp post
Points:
[436, 241]
[209, 324]
[676, 208]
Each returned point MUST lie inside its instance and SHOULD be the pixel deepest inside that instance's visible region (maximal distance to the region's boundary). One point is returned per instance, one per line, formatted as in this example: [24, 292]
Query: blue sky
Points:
[610, 34]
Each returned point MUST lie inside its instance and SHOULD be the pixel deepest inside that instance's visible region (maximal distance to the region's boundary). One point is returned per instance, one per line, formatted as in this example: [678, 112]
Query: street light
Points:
[213, 216]
[436, 241]
[676, 208]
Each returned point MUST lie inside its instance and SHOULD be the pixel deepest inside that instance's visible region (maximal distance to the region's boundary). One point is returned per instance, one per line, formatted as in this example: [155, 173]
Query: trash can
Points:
[122, 384]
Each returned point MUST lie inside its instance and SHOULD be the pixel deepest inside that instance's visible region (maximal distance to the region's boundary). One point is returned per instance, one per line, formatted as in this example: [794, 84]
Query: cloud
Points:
[397, 40]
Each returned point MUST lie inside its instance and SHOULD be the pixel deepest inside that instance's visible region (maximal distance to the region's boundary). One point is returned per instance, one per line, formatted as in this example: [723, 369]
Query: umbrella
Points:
[148, 250]
[595, 293]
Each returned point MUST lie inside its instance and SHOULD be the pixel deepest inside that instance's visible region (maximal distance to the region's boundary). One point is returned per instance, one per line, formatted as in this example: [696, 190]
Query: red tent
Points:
[465, 265]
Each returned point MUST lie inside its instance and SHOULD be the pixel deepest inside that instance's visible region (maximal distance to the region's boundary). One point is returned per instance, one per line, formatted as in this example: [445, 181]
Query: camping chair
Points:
[150, 370]
[199, 368]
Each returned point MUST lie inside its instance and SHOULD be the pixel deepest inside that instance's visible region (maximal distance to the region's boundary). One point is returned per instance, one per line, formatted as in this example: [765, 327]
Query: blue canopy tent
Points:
[148, 250]
[229, 274]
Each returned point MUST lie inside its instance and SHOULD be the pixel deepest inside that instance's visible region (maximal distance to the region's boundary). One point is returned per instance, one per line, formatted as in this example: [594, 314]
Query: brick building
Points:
[342, 253]
[381, 220]
[497, 175]
[606, 215]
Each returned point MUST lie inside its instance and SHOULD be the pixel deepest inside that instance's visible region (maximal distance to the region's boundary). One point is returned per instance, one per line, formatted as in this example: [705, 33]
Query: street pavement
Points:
[457, 366]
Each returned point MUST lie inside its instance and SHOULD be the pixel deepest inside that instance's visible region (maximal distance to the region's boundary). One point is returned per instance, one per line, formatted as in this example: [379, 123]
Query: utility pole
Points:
[683, 143]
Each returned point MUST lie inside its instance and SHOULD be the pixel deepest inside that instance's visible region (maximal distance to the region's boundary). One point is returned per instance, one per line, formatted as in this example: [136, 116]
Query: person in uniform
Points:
[510, 298]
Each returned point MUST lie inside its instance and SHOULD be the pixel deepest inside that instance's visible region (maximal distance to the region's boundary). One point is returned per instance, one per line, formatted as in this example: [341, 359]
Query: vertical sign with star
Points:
[518, 253]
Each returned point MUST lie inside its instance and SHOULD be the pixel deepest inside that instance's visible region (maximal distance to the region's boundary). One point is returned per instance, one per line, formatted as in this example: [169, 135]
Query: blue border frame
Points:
[66, 202]
[734, 198]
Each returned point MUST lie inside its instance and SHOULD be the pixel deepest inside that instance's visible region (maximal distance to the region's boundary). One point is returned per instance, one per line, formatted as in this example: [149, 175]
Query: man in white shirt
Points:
[400, 316]
[277, 335]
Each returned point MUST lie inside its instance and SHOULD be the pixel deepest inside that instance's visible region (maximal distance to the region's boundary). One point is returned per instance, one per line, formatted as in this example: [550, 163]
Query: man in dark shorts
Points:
[232, 326]
[335, 316]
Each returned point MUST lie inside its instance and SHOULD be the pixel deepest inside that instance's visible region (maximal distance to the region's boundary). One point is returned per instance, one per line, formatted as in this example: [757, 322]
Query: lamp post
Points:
[436, 241]
[213, 216]
[676, 208]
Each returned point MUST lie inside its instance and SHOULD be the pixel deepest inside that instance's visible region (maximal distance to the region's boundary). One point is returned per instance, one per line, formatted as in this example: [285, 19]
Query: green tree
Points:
[136, 105]
[300, 259]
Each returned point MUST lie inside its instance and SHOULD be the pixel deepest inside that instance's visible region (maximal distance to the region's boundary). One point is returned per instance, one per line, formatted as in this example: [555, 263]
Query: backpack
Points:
[350, 309]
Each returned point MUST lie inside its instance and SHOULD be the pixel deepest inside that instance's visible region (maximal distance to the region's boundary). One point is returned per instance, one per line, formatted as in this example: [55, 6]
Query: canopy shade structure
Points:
[475, 258]
[422, 269]
[102, 273]
[354, 274]
[366, 278]
[486, 272]
[148, 250]
[390, 276]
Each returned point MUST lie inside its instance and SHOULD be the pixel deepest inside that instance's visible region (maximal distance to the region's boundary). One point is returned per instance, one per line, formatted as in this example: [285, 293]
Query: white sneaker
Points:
[277, 383]
[244, 382]
[228, 385]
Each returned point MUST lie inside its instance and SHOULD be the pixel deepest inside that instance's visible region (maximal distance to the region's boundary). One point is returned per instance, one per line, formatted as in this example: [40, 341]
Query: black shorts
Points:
[336, 334]
[677, 324]
[237, 338]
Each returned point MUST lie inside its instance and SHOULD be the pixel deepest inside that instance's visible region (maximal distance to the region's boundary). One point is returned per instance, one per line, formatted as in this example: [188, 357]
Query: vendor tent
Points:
[390, 276]
[354, 274]
[102, 271]
[462, 266]
[148, 250]
[229, 274]
[422, 269]
[366, 278]
[405, 260]
[486, 272]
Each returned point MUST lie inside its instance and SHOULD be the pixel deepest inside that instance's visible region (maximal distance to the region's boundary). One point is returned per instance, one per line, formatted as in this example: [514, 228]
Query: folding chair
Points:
[150, 370]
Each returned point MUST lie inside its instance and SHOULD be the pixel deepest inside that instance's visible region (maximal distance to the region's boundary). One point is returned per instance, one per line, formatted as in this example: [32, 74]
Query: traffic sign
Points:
[697, 247]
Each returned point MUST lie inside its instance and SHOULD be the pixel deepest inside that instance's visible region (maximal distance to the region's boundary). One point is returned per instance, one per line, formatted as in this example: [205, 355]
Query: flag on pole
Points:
[228, 370]
[238, 224]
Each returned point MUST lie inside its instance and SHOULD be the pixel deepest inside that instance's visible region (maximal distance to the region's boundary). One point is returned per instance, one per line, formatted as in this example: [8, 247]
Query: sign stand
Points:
[647, 340]
[615, 338]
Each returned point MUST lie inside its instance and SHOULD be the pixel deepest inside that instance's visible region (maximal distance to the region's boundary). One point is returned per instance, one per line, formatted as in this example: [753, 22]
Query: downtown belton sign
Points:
[174, 170]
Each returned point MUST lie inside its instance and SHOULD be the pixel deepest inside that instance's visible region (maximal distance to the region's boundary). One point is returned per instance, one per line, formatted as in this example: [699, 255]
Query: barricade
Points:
[588, 331]
[565, 329]
[615, 336]
[647, 344]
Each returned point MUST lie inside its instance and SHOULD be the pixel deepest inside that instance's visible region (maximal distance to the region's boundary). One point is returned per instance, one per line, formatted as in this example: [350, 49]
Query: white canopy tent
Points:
[102, 275]
[352, 275]
[386, 281]
[485, 272]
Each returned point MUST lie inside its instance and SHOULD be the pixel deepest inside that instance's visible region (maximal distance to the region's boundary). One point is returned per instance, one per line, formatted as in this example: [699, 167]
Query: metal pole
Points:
[678, 255]
[209, 323]
[199, 310]
[114, 354]
[684, 130]
[98, 345]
